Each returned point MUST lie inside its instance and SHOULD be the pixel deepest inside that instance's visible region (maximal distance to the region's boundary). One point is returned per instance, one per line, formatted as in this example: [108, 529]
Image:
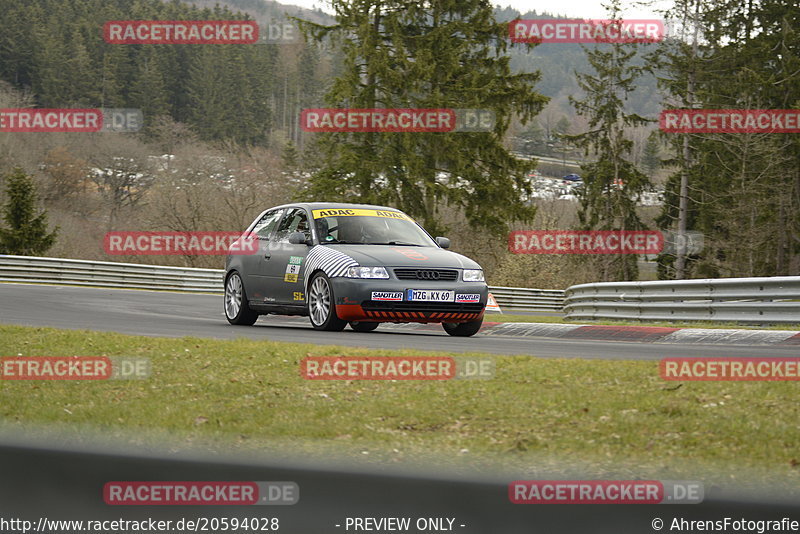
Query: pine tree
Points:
[240, 124]
[17, 47]
[562, 126]
[81, 75]
[26, 233]
[290, 156]
[680, 59]
[742, 191]
[650, 155]
[209, 93]
[263, 73]
[48, 81]
[309, 91]
[612, 182]
[148, 92]
[112, 76]
[438, 54]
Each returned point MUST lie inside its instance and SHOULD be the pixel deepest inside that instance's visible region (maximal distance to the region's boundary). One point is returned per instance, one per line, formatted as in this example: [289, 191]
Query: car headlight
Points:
[367, 272]
[473, 275]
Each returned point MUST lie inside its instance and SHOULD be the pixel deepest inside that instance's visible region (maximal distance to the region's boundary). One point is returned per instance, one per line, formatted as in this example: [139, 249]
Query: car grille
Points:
[439, 275]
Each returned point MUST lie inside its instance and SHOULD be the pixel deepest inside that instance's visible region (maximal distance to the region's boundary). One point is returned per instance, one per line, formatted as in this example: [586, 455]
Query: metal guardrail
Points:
[33, 269]
[524, 299]
[744, 300]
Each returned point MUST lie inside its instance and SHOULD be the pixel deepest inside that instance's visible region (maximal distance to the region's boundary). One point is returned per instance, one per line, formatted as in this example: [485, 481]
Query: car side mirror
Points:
[443, 242]
[298, 238]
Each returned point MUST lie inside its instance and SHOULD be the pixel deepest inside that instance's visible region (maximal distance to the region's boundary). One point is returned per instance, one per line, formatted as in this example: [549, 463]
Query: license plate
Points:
[430, 295]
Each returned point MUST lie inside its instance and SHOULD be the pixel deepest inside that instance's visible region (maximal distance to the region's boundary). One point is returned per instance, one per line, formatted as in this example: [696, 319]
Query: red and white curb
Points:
[644, 334]
[595, 332]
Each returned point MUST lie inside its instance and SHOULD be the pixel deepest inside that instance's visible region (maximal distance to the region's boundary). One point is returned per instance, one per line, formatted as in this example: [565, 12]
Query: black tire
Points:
[363, 326]
[235, 302]
[320, 301]
[463, 329]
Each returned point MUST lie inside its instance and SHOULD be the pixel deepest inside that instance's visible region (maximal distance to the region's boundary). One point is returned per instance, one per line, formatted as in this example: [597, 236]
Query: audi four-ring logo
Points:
[427, 275]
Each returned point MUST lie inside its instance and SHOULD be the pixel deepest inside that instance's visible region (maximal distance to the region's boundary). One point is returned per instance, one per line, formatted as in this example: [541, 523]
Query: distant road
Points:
[546, 159]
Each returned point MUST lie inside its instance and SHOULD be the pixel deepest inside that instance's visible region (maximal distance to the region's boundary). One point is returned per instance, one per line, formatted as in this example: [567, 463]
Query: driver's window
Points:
[264, 227]
[295, 220]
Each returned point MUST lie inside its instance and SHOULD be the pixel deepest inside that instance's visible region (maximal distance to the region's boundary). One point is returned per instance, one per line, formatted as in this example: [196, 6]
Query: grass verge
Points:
[604, 418]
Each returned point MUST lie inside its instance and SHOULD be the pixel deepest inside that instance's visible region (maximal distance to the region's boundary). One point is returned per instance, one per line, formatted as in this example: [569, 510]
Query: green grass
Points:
[511, 318]
[603, 418]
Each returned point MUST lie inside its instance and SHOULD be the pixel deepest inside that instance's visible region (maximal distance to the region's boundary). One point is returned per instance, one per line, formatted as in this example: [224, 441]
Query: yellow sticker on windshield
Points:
[349, 212]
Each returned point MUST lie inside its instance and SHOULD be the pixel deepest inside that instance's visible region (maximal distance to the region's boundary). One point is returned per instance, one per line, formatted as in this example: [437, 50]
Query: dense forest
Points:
[55, 49]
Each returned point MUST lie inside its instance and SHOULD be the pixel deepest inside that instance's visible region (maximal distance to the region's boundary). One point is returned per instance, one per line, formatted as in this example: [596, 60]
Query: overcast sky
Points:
[592, 9]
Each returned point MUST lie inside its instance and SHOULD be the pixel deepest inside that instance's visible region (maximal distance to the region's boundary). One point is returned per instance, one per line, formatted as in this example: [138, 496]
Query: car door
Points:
[285, 270]
[255, 266]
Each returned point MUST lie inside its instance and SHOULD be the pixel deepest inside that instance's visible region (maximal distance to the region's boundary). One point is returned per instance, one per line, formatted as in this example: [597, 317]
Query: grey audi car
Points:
[351, 263]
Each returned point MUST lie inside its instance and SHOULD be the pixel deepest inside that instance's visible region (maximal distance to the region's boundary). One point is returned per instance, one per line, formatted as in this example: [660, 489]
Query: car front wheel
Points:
[321, 308]
[463, 329]
[236, 309]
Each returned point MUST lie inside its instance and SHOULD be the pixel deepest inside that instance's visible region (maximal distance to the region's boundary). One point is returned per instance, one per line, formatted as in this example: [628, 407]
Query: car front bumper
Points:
[354, 301]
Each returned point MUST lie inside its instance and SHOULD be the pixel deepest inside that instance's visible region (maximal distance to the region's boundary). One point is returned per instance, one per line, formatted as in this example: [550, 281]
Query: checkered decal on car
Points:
[332, 262]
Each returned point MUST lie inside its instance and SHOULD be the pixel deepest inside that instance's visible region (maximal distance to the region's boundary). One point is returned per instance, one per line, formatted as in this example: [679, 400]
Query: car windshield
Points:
[392, 229]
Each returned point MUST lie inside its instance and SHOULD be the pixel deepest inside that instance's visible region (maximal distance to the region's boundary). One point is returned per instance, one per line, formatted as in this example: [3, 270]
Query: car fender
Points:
[332, 262]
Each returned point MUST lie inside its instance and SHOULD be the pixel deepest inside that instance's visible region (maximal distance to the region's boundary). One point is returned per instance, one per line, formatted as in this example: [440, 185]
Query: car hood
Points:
[399, 256]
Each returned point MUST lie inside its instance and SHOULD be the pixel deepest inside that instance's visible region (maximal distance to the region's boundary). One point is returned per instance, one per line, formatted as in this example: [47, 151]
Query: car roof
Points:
[333, 205]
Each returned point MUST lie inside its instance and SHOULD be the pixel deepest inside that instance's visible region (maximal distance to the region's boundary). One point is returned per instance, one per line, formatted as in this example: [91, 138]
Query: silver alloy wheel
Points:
[233, 296]
[319, 302]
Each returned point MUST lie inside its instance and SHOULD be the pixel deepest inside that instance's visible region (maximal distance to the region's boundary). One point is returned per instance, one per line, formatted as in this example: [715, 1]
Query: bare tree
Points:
[121, 173]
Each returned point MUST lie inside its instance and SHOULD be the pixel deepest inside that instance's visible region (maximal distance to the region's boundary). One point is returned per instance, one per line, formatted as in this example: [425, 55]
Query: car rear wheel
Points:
[463, 329]
[236, 309]
[363, 326]
[321, 308]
